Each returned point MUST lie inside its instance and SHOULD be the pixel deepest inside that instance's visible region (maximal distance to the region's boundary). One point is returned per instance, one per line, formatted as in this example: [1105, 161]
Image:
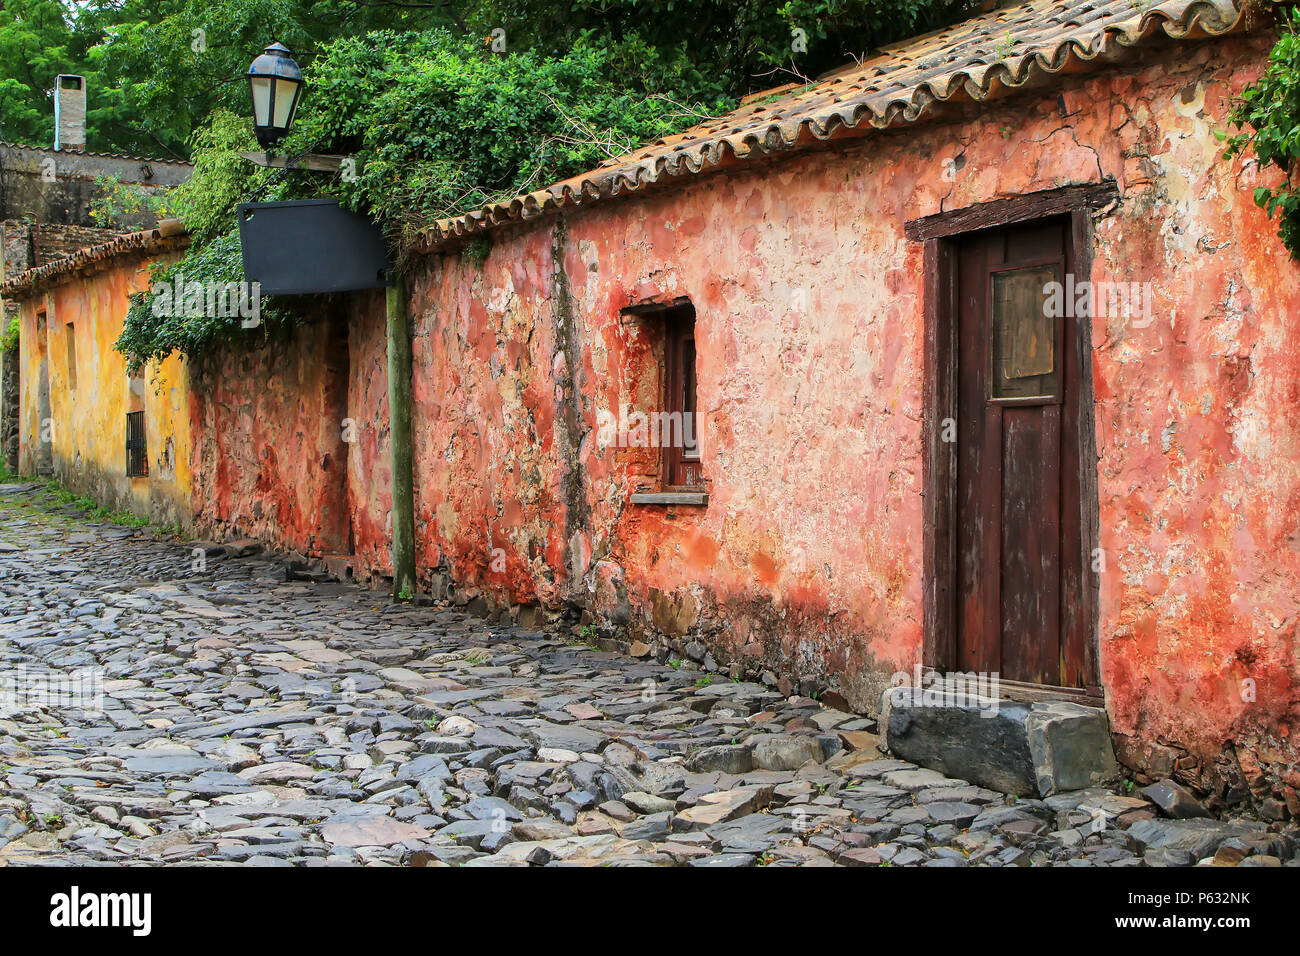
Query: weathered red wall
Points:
[488, 469]
[369, 463]
[269, 457]
[809, 338]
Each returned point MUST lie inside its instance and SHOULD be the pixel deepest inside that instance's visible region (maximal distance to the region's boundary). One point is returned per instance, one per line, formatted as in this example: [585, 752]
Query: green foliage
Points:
[222, 178]
[164, 66]
[747, 45]
[157, 69]
[36, 44]
[206, 202]
[117, 203]
[442, 125]
[9, 338]
[1268, 118]
[147, 336]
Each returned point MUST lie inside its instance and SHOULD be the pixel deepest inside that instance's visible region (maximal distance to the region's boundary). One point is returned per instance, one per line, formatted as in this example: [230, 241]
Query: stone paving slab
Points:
[250, 720]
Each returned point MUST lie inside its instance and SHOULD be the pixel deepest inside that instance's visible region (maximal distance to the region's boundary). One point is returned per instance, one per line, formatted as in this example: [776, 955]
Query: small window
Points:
[137, 459]
[70, 337]
[1024, 336]
[681, 442]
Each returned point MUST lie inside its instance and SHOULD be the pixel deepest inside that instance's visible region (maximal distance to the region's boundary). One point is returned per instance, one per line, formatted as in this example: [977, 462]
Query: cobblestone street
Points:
[250, 719]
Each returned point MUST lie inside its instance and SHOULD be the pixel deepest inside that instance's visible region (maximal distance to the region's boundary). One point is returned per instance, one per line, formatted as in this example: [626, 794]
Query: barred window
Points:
[137, 459]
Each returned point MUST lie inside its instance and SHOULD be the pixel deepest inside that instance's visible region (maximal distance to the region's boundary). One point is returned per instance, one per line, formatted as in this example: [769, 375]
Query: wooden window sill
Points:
[699, 498]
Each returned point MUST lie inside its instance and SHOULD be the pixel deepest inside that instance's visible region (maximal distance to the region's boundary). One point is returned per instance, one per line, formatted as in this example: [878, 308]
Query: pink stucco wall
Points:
[270, 460]
[809, 336]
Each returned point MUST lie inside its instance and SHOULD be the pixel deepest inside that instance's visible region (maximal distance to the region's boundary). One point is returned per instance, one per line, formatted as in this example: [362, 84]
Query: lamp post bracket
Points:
[316, 162]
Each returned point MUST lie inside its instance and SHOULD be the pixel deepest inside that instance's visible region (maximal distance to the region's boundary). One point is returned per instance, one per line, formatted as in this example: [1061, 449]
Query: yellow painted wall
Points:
[32, 346]
[83, 318]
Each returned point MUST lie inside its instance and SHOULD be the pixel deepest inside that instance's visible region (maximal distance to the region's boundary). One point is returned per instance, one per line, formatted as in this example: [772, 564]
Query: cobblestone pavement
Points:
[248, 719]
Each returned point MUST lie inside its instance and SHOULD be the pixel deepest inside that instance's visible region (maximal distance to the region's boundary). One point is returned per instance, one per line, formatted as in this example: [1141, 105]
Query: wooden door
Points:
[1017, 484]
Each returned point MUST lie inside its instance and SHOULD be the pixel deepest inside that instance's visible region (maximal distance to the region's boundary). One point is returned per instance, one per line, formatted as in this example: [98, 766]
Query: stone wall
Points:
[270, 459]
[59, 187]
[9, 405]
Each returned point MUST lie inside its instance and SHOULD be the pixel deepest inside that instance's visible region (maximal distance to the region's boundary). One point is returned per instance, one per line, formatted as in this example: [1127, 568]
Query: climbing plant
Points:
[1268, 120]
[435, 125]
[151, 332]
[442, 125]
[490, 100]
[9, 337]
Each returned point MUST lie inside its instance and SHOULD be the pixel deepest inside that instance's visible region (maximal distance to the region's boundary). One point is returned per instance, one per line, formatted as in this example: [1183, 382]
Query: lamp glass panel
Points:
[285, 94]
[261, 99]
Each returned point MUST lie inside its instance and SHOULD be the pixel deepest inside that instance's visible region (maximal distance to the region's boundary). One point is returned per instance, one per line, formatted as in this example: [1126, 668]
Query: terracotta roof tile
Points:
[169, 236]
[976, 60]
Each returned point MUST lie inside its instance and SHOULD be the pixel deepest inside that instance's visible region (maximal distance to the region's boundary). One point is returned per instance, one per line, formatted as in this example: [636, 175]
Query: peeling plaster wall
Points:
[485, 405]
[270, 456]
[369, 484]
[88, 448]
[807, 558]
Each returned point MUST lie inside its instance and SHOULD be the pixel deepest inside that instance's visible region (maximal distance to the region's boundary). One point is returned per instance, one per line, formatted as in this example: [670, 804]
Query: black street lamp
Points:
[276, 84]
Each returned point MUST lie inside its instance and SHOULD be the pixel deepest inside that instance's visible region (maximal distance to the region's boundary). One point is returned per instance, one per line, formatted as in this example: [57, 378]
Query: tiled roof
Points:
[976, 60]
[169, 236]
[82, 152]
[56, 240]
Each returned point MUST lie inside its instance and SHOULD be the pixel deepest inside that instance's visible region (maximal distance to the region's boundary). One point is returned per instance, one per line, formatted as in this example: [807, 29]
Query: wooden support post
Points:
[399, 437]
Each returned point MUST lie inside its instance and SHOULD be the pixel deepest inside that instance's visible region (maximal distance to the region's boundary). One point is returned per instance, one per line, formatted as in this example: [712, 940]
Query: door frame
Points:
[941, 234]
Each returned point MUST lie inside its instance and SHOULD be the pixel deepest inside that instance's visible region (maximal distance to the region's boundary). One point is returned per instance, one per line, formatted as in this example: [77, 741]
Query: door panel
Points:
[1013, 396]
[1031, 574]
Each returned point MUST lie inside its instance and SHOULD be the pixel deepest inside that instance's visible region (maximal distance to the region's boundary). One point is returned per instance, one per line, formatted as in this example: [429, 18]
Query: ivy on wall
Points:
[177, 321]
[9, 337]
[1268, 120]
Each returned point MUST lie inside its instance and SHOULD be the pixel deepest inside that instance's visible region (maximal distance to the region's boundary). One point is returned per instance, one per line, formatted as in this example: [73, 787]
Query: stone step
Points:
[1030, 749]
[341, 567]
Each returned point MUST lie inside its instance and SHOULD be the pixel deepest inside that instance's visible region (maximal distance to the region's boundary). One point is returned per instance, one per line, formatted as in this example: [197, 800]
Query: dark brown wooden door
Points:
[1017, 473]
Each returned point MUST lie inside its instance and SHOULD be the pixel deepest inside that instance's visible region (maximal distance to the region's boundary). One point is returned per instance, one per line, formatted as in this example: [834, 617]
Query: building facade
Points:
[987, 354]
